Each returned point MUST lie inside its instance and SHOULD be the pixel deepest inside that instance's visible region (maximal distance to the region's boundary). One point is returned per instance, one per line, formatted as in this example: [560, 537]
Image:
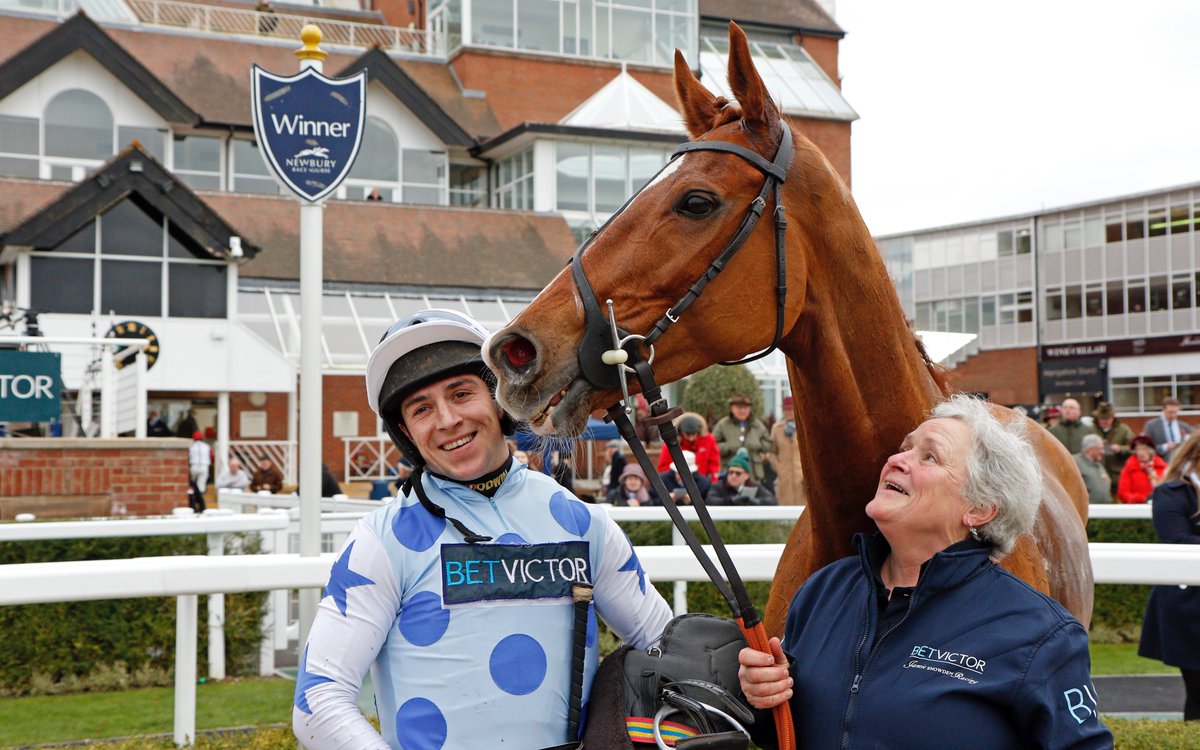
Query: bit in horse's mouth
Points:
[538, 418]
[565, 413]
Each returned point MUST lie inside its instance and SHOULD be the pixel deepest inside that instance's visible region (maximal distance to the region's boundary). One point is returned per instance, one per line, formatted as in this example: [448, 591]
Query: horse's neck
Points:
[859, 381]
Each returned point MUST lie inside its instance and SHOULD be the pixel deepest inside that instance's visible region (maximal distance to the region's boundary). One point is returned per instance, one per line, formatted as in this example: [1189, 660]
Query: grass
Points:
[261, 702]
[1122, 658]
[61, 718]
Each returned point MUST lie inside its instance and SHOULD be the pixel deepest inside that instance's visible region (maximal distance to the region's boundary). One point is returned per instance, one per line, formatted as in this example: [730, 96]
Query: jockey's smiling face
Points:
[455, 424]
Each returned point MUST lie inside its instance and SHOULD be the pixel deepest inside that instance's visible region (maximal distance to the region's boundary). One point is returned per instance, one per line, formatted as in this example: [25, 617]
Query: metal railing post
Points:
[186, 611]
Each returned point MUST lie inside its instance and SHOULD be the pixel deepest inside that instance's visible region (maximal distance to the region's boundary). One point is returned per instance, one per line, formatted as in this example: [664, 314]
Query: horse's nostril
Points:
[519, 351]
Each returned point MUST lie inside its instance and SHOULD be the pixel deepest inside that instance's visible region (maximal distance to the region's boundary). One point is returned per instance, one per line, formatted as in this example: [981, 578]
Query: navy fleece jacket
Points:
[979, 660]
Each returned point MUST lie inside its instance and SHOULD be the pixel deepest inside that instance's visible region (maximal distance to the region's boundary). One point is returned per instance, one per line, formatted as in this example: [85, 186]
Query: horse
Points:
[860, 379]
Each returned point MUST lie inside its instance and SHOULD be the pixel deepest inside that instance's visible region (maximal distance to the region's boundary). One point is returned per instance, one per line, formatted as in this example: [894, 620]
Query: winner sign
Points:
[309, 127]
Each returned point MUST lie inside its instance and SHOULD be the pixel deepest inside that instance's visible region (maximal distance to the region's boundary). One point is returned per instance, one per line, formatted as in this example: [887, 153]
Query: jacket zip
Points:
[858, 674]
[496, 509]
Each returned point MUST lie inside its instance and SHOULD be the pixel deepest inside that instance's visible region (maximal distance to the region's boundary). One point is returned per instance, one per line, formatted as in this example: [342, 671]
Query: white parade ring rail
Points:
[187, 577]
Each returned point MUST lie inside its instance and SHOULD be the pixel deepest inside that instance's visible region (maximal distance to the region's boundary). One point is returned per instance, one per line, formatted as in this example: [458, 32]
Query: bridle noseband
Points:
[598, 333]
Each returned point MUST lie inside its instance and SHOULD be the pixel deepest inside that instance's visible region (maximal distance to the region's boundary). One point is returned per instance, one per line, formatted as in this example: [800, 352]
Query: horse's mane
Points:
[936, 371]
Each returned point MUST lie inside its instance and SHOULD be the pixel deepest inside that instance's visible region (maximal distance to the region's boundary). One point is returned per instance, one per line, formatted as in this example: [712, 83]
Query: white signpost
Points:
[309, 130]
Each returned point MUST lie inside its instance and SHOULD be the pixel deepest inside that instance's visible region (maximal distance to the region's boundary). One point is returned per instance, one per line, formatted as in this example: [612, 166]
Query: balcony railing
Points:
[213, 19]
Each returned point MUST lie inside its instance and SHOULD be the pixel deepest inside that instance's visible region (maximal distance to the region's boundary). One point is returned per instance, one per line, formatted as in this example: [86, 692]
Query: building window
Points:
[135, 252]
[1126, 394]
[467, 185]
[1054, 304]
[424, 176]
[152, 140]
[1093, 301]
[18, 146]
[62, 284]
[250, 171]
[1144, 394]
[593, 180]
[383, 171]
[1073, 307]
[79, 125]
[514, 181]
[635, 30]
[1115, 297]
[1136, 295]
[198, 161]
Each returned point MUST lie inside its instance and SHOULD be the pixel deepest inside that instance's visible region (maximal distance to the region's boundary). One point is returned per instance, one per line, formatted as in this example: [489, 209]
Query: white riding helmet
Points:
[416, 351]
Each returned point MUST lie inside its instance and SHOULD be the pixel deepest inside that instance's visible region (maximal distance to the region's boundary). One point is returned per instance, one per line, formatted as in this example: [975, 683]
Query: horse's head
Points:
[646, 258]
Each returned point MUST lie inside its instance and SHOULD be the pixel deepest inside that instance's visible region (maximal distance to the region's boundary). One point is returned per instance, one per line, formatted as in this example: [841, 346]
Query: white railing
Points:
[278, 572]
[281, 452]
[214, 524]
[187, 577]
[369, 458]
[214, 19]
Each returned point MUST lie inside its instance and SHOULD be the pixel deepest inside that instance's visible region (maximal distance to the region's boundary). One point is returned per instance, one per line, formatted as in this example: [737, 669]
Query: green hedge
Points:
[1118, 608]
[115, 643]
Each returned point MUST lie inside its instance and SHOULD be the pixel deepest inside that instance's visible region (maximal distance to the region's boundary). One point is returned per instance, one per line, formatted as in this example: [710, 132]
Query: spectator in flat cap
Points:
[740, 429]
[1118, 438]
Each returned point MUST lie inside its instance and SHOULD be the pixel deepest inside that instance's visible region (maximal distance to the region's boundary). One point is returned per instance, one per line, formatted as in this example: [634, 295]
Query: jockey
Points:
[457, 595]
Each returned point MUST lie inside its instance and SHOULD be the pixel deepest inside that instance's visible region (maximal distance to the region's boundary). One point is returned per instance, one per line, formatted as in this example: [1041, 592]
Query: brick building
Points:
[499, 133]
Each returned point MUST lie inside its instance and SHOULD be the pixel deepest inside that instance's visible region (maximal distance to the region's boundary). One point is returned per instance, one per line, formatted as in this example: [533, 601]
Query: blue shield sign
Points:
[309, 127]
[30, 386]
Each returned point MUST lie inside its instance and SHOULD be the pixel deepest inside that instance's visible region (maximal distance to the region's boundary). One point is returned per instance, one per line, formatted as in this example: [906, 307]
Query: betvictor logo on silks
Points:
[309, 127]
[478, 572]
[951, 663]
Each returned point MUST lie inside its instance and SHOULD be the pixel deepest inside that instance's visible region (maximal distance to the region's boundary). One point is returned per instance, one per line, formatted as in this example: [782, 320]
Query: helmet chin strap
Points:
[414, 483]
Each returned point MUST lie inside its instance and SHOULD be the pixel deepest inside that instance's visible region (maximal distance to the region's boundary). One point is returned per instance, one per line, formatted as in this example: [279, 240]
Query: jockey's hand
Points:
[764, 677]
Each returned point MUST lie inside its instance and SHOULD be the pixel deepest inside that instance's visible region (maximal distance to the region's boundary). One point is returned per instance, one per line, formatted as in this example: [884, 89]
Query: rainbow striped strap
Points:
[641, 729]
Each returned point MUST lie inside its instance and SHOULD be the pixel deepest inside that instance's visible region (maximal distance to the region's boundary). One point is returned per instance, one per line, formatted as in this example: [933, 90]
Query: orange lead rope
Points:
[756, 637]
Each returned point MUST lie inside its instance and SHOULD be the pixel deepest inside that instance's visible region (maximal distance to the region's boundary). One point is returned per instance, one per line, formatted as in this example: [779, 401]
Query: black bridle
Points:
[597, 334]
[605, 350]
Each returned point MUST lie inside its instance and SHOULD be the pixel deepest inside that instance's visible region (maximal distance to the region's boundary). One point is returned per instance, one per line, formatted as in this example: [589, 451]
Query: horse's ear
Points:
[696, 101]
[747, 86]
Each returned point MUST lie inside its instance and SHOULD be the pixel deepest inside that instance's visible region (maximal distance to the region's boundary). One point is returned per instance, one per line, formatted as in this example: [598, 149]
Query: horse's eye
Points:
[697, 205]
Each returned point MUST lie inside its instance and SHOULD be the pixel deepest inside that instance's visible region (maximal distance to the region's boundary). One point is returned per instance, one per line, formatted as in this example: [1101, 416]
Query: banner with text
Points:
[30, 386]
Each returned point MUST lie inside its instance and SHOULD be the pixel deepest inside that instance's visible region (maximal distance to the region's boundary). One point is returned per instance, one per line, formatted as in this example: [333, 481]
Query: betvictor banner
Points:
[309, 127]
[30, 389]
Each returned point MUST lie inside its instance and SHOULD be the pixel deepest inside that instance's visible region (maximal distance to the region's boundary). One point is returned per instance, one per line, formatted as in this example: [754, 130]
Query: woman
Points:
[921, 640]
[632, 491]
[784, 457]
[1171, 628]
[1141, 473]
[695, 437]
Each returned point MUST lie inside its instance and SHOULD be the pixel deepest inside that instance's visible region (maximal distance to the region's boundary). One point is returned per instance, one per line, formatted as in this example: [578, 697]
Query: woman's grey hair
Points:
[1002, 470]
[1091, 441]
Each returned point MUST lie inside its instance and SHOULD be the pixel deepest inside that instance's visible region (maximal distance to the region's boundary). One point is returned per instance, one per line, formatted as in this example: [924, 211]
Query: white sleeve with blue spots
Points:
[343, 643]
[628, 603]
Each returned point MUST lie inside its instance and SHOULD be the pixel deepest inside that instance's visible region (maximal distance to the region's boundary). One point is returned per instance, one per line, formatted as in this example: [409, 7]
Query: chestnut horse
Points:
[860, 380]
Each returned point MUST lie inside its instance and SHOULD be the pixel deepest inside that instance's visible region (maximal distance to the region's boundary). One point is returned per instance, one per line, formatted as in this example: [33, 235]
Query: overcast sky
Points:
[974, 110]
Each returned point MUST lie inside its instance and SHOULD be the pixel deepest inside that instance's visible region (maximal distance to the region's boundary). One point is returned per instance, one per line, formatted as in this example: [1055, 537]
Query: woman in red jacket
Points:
[1142, 472]
[695, 437]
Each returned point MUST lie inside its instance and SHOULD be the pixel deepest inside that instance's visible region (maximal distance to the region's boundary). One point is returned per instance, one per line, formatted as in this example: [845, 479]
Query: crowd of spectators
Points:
[1115, 463]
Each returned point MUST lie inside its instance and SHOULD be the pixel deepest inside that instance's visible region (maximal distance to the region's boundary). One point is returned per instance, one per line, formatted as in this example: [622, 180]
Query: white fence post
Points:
[680, 596]
[186, 612]
[216, 618]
